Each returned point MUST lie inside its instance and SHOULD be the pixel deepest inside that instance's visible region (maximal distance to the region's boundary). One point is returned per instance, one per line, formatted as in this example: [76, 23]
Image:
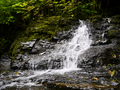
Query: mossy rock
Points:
[112, 33]
[44, 28]
[111, 56]
[96, 19]
[116, 19]
[47, 27]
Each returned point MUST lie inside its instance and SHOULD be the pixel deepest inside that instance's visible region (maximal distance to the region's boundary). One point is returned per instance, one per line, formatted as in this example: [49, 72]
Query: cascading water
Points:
[69, 50]
[79, 43]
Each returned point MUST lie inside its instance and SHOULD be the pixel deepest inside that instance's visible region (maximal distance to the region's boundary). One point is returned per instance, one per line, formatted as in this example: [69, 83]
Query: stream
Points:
[62, 68]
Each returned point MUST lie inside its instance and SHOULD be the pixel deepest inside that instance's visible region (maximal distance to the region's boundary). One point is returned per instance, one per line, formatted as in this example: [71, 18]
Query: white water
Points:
[69, 50]
[79, 43]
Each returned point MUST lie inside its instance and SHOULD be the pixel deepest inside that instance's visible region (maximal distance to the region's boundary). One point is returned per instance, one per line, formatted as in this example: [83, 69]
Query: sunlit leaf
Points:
[19, 11]
[98, 61]
[25, 3]
[114, 56]
[104, 67]
[17, 73]
[5, 71]
[41, 0]
[99, 40]
[113, 73]
[94, 78]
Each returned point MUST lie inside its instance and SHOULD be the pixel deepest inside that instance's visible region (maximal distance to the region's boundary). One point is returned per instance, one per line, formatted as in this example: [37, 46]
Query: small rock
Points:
[28, 45]
[114, 83]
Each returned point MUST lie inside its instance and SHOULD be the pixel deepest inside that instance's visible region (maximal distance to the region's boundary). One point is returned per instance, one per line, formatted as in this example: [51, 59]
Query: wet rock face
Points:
[104, 50]
[41, 47]
[5, 61]
[105, 36]
[53, 64]
[64, 35]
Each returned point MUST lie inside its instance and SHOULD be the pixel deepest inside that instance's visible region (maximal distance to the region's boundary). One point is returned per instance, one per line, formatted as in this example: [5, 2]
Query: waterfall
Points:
[78, 44]
[69, 51]
[67, 54]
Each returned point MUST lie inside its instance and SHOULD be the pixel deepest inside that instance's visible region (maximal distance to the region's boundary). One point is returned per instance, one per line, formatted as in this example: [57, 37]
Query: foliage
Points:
[44, 28]
[111, 72]
[11, 10]
[16, 14]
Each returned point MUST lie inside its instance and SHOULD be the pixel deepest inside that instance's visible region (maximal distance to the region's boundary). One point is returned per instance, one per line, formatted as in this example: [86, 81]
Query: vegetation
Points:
[12, 10]
[16, 15]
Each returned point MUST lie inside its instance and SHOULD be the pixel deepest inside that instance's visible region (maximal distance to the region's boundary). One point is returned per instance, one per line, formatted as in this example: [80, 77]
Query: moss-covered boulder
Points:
[112, 33]
[97, 22]
[44, 28]
[116, 19]
[96, 18]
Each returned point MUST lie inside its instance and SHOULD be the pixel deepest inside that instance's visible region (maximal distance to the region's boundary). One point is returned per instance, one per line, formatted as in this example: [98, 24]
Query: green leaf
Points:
[11, 17]
[83, 6]
[93, 11]
[98, 61]
[55, 2]
[51, 9]
[92, 3]
[17, 4]
[18, 11]
[73, 9]
[114, 56]
[112, 73]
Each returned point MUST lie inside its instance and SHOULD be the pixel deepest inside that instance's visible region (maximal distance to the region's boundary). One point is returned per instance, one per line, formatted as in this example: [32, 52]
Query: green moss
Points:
[43, 28]
[15, 51]
[116, 19]
[34, 36]
[22, 52]
[112, 33]
[96, 18]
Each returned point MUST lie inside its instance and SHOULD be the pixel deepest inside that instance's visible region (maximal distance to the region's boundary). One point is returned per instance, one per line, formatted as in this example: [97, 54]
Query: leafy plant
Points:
[112, 73]
[28, 9]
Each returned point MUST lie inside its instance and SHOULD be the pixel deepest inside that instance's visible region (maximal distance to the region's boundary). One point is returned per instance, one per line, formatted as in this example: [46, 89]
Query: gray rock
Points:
[28, 45]
[114, 83]
[17, 65]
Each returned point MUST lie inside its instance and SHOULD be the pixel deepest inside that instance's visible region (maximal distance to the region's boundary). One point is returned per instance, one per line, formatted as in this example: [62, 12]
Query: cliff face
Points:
[42, 35]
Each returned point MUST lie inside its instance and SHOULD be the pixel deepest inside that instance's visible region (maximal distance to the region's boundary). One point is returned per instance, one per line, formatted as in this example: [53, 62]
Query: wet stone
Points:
[28, 45]
[17, 65]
